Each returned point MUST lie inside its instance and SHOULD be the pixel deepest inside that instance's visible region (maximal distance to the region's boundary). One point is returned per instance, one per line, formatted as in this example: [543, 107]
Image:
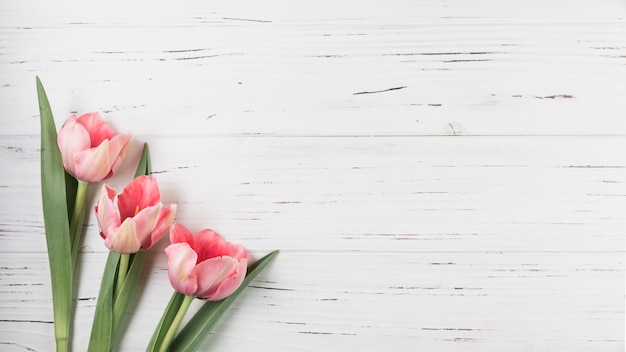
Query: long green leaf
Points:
[56, 222]
[166, 321]
[102, 328]
[78, 217]
[200, 325]
[129, 286]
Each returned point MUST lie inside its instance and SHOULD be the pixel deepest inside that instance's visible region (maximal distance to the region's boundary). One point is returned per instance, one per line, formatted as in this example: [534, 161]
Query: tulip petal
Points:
[118, 146]
[72, 139]
[180, 234]
[210, 244]
[164, 221]
[93, 165]
[97, 128]
[123, 240]
[145, 221]
[211, 274]
[231, 283]
[106, 214]
[181, 261]
[141, 193]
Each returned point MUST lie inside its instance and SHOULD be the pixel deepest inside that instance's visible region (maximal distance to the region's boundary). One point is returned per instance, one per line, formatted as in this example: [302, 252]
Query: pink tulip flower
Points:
[90, 150]
[205, 265]
[140, 219]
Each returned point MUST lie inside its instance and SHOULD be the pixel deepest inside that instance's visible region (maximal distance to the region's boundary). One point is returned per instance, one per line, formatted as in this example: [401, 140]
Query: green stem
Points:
[167, 341]
[121, 273]
[77, 217]
[62, 344]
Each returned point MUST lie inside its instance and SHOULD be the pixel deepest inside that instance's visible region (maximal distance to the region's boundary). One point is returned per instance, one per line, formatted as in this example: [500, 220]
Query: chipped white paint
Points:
[439, 175]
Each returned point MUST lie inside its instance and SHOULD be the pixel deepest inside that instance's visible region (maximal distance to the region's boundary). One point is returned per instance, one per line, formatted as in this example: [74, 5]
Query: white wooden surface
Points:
[438, 175]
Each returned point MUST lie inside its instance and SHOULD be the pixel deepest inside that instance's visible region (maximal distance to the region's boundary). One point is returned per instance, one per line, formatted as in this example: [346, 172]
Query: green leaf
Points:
[200, 325]
[143, 167]
[166, 321]
[56, 222]
[102, 329]
[129, 286]
[78, 216]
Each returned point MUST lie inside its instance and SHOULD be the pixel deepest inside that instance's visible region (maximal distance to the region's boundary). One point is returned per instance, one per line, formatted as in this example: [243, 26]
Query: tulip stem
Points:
[77, 217]
[62, 344]
[121, 273]
[169, 337]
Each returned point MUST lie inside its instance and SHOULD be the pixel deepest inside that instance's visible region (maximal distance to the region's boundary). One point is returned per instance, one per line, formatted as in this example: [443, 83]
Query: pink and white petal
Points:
[124, 239]
[139, 194]
[230, 284]
[97, 128]
[92, 165]
[210, 244]
[238, 251]
[180, 264]
[145, 221]
[164, 221]
[211, 273]
[118, 146]
[180, 234]
[106, 213]
[72, 139]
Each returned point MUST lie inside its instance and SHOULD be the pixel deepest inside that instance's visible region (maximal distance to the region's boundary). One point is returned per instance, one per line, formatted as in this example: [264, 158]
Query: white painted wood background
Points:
[439, 175]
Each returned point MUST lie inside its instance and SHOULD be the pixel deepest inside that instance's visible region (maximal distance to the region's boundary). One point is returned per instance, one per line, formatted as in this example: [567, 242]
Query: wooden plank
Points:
[314, 301]
[352, 194]
[431, 69]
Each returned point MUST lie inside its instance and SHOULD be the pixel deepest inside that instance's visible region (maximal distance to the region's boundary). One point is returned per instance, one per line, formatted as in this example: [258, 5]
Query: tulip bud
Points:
[138, 221]
[90, 150]
[205, 265]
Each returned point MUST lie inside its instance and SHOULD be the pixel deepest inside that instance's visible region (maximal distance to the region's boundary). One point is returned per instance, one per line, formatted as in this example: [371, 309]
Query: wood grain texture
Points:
[438, 175]
[362, 193]
[315, 301]
[406, 68]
